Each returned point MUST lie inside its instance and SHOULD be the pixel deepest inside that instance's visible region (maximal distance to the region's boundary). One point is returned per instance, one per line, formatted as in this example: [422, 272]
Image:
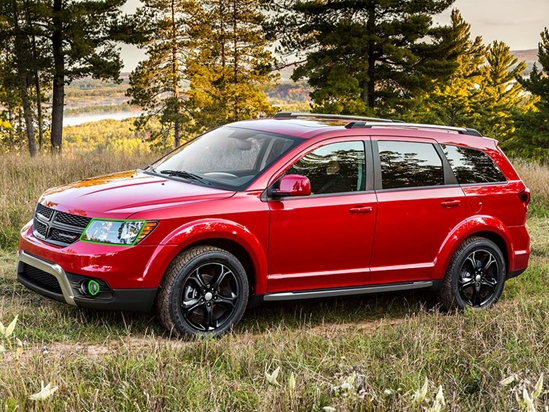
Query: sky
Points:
[518, 23]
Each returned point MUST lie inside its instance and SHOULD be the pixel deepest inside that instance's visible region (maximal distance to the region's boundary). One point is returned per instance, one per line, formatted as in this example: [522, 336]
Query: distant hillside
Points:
[529, 56]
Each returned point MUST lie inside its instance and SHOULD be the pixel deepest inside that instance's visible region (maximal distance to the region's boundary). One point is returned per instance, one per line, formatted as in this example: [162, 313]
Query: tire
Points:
[475, 276]
[203, 293]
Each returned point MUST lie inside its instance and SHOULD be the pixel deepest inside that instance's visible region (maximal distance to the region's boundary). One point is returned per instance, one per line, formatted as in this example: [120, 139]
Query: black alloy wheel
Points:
[209, 298]
[475, 275]
[203, 293]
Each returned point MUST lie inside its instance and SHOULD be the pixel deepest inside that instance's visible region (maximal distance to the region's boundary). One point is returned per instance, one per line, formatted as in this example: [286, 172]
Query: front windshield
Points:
[227, 158]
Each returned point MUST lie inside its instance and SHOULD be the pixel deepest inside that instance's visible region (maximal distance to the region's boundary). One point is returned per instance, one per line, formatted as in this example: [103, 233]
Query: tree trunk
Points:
[175, 74]
[27, 113]
[36, 76]
[368, 94]
[22, 75]
[235, 45]
[58, 100]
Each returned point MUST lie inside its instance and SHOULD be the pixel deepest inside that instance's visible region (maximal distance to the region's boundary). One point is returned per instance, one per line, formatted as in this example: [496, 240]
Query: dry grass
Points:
[24, 180]
[536, 178]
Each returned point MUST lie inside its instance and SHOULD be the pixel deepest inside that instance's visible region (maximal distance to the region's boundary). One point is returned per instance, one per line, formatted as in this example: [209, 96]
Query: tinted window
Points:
[472, 166]
[334, 168]
[409, 164]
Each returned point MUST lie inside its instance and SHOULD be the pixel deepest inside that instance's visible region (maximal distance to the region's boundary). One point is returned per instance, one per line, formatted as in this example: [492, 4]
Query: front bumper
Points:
[50, 279]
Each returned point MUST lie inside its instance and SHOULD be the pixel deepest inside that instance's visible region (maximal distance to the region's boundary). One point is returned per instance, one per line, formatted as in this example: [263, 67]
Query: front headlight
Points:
[117, 232]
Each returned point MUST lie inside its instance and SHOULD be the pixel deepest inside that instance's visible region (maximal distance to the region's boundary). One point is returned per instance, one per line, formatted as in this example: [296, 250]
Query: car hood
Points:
[122, 194]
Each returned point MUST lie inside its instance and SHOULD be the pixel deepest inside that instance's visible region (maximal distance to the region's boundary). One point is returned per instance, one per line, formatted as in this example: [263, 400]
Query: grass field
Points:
[389, 352]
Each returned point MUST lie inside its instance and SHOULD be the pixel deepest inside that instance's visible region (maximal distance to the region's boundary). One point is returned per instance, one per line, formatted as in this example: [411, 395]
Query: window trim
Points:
[368, 169]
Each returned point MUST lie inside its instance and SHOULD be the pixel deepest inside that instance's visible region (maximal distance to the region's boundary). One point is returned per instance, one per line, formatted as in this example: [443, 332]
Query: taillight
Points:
[524, 196]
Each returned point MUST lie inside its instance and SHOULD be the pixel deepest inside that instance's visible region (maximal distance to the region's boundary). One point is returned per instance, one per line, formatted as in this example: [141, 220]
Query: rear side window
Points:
[409, 164]
[472, 166]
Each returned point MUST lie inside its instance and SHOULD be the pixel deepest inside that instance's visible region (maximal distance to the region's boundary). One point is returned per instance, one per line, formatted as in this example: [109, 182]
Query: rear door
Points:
[419, 203]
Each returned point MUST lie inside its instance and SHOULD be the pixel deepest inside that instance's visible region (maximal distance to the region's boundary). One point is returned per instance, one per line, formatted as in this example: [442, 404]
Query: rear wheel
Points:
[475, 275]
[204, 293]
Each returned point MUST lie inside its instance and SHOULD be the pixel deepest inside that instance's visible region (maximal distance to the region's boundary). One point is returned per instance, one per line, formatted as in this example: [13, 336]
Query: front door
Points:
[324, 240]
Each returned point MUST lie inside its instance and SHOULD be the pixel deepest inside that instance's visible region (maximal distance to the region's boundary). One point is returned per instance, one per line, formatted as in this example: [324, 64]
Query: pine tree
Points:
[455, 100]
[81, 45]
[207, 64]
[368, 56]
[231, 66]
[501, 94]
[15, 39]
[166, 29]
[533, 126]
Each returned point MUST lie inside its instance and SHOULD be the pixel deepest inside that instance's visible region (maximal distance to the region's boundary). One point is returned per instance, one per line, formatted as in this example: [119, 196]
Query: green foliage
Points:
[231, 66]
[166, 29]
[366, 57]
[454, 101]
[482, 93]
[207, 65]
[47, 43]
[501, 93]
[533, 125]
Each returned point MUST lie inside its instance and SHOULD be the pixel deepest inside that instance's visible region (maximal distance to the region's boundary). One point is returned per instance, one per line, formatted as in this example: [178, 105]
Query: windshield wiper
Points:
[185, 175]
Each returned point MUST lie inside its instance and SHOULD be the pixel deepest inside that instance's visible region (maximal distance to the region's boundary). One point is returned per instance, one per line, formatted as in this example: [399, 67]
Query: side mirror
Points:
[292, 185]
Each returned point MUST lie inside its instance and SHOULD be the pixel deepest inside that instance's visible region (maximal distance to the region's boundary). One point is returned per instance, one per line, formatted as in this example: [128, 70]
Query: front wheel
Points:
[475, 275]
[204, 293]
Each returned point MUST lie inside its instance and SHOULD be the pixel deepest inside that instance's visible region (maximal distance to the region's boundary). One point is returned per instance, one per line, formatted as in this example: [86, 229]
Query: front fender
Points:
[466, 229]
[204, 229]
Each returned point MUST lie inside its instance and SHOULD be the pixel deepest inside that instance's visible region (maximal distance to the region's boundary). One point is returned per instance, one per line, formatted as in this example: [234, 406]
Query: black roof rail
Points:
[460, 130]
[333, 116]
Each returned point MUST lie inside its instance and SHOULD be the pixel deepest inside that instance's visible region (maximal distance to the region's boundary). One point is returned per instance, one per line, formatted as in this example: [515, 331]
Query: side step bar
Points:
[331, 293]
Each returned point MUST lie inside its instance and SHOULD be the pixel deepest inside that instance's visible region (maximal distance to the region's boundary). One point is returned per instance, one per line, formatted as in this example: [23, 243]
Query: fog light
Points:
[93, 287]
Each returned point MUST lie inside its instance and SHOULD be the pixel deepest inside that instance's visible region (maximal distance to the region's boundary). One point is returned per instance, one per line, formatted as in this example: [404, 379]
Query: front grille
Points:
[41, 278]
[56, 227]
[44, 211]
[64, 236]
[40, 227]
[72, 220]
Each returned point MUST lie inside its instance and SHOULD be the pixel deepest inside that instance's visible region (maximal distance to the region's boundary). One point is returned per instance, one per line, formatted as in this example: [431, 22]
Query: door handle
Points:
[451, 203]
[361, 209]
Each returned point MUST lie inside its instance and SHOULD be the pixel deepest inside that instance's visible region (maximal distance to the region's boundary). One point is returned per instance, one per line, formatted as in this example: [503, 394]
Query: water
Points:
[77, 120]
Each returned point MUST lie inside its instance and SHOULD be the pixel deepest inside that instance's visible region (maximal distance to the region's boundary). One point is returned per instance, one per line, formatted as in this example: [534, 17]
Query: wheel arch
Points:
[237, 250]
[224, 234]
[487, 227]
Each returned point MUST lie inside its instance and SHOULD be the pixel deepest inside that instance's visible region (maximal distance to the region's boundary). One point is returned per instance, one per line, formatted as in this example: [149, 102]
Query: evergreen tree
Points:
[57, 41]
[501, 93]
[81, 45]
[454, 101]
[231, 66]
[367, 56]
[207, 64]
[166, 28]
[533, 126]
[19, 66]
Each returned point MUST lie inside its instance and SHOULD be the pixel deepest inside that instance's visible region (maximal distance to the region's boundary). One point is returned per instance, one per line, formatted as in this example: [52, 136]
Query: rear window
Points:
[472, 166]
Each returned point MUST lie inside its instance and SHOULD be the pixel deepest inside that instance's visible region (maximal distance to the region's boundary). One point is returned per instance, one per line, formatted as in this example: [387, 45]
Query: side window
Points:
[334, 168]
[409, 164]
[472, 166]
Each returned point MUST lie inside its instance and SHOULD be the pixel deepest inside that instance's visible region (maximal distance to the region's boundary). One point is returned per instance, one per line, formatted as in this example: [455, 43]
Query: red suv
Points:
[294, 207]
